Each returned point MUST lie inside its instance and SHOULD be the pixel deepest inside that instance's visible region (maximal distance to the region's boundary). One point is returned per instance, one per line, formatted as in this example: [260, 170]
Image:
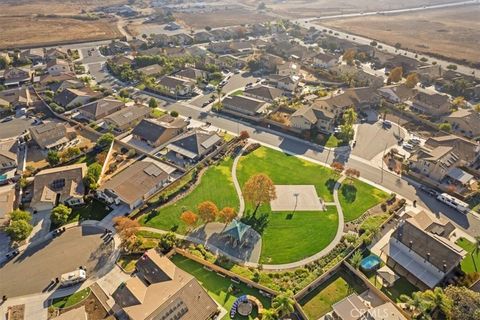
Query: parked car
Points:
[7, 119]
[407, 146]
[386, 124]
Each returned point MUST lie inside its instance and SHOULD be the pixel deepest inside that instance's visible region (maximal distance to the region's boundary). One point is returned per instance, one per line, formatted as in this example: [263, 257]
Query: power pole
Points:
[383, 157]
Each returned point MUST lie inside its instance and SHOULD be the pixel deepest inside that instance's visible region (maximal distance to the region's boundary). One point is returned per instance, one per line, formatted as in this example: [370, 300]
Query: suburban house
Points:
[318, 115]
[8, 160]
[431, 104]
[288, 69]
[56, 53]
[161, 290]
[101, 108]
[421, 251]
[16, 98]
[192, 146]
[135, 184]
[202, 36]
[191, 74]
[151, 71]
[48, 79]
[52, 135]
[36, 55]
[408, 65]
[265, 93]
[14, 76]
[465, 121]
[59, 185]
[7, 202]
[58, 66]
[127, 117]
[158, 132]
[71, 98]
[176, 86]
[397, 93]
[288, 83]
[181, 39]
[61, 85]
[121, 60]
[440, 155]
[324, 60]
[243, 105]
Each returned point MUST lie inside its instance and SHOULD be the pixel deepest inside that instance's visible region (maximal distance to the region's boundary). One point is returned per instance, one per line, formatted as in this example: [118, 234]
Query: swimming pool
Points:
[370, 263]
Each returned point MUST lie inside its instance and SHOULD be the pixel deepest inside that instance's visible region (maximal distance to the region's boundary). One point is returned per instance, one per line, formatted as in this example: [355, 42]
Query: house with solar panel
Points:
[134, 185]
[60, 185]
[191, 147]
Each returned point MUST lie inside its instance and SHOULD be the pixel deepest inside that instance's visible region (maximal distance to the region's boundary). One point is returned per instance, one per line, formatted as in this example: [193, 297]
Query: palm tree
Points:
[284, 303]
[269, 314]
[356, 259]
[219, 95]
[439, 302]
[476, 251]
[418, 304]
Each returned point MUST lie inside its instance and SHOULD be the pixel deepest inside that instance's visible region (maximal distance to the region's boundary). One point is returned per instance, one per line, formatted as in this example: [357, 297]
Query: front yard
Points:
[218, 287]
[95, 210]
[356, 197]
[319, 302]
[216, 185]
[68, 301]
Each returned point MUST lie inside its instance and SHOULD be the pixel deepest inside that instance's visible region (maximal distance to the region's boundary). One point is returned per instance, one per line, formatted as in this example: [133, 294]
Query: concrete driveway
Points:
[32, 270]
[373, 138]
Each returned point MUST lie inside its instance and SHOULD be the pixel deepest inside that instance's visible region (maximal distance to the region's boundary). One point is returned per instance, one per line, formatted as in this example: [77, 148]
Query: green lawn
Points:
[216, 185]
[156, 113]
[471, 263]
[237, 93]
[217, 287]
[358, 197]
[127, 262]
[319, 302]
[68, 301]
[286, 169]
[289, 237]
[95, 210]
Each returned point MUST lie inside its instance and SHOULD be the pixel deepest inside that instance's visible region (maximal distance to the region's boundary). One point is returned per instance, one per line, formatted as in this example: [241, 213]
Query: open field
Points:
[452, 33]
[218, 287]
[28, 31]
[318, 8]
[230, 17]
[11, 8]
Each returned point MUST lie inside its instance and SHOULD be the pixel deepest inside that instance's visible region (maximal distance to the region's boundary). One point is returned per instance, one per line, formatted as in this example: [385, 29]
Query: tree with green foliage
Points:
[17, 215]
[124, 93]
[416, 303]
[465, 303]
[445, 126]
[70, 153]
[373, 43]
[284, 304]
[19, 230]
[60, 214]
[93, 174]
[395, 75]
[269, 314]
[167, 241]
[53, 158]
[174, 113]
[105, 140]
[153, 103]
[356, 259]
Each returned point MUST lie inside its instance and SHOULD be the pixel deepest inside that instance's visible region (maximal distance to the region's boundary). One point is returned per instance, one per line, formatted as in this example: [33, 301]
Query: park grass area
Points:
[288, 170]
[319, 302]
[218, 287]
[401, 286]
[216, 185]
[471, 262]
[356, 197]
[289, 237]
[95, 210]
[71, 300]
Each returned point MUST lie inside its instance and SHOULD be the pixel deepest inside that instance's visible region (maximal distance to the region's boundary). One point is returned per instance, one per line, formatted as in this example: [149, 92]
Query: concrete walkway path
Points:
[241, 208]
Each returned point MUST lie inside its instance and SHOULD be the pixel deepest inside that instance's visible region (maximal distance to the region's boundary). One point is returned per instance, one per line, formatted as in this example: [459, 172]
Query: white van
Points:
[74, 277]
[454, 202]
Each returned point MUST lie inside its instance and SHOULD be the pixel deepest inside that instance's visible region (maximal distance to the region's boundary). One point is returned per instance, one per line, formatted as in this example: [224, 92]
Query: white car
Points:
[407, 146]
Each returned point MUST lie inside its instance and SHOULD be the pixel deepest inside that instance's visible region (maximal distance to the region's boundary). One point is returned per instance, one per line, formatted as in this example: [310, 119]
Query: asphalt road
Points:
[32, 270]
[15, 127]
[401, 186]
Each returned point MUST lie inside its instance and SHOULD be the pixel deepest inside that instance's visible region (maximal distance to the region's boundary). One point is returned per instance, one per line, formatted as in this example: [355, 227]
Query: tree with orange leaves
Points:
[208, 211]
[227, 214]
[258, 190]
[189, 218]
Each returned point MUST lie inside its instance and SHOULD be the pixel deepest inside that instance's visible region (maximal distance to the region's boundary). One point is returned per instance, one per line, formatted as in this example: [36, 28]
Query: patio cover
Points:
[460, 175]
[387, 275]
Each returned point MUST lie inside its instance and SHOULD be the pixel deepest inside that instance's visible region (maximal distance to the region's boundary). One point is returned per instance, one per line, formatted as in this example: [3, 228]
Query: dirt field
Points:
[452, 33]
[32, 31]
[218, 19]
[317, 8]
[11, 8]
